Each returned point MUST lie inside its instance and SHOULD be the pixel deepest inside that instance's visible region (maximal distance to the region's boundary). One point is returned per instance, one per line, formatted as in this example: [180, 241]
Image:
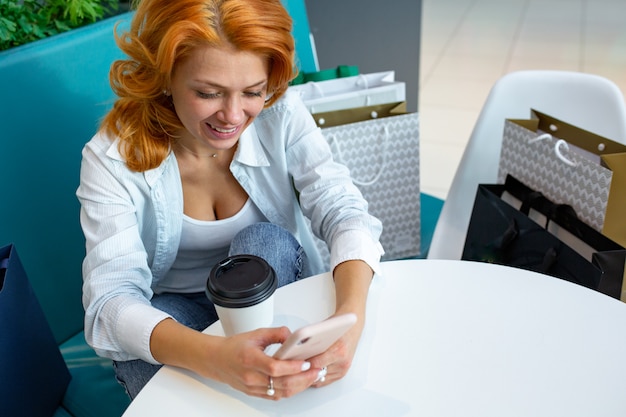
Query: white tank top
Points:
[203, 244]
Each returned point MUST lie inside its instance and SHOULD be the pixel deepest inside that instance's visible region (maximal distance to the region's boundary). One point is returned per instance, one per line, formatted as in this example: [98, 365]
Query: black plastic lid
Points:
[241, 281]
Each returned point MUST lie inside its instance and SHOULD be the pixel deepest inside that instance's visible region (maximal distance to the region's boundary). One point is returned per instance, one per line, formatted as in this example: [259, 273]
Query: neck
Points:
[186, 149]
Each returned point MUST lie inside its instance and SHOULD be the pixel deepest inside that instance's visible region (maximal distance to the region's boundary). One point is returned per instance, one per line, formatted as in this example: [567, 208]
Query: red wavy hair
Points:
[162, 33]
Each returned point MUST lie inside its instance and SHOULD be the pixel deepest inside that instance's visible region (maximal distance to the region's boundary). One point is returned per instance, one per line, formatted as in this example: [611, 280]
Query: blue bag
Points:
[33, 374]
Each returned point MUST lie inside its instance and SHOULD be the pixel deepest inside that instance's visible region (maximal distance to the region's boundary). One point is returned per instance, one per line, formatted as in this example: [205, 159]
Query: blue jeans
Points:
[268, 241]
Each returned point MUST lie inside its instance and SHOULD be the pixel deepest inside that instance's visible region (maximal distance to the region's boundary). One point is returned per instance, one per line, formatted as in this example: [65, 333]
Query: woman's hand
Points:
[338, 358]
[239, 361]
[243, 364]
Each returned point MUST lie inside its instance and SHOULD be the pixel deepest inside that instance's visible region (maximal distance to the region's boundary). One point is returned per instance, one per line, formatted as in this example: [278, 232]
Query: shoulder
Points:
[288, 113]
[288, 105]
[103, 144]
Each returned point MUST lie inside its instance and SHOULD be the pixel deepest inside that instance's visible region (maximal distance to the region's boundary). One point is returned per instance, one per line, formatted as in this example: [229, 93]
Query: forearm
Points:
[352, 282]
[172, 343]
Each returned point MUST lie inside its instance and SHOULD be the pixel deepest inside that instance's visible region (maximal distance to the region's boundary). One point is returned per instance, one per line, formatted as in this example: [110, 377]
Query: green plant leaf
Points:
[7, 28]
[26, 24]
[23, 21]
[61, 26]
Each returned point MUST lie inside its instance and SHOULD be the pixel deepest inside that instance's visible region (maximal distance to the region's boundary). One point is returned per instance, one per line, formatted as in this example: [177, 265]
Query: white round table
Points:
[442, 338]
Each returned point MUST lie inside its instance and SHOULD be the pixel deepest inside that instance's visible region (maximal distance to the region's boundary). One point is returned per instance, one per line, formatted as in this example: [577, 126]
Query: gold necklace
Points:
[213, 155]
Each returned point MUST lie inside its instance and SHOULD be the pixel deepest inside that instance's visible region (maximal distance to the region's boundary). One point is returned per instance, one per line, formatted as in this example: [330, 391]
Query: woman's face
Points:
[217, 92]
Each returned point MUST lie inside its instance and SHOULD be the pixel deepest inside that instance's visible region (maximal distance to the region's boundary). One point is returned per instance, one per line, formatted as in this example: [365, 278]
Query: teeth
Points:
[224, 130]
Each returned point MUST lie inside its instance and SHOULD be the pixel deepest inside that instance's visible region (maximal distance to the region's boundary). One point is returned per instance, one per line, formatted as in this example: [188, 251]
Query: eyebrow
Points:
[212, 84]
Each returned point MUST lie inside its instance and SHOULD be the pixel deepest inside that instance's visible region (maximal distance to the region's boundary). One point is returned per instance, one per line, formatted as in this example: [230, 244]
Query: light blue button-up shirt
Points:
[132, 221]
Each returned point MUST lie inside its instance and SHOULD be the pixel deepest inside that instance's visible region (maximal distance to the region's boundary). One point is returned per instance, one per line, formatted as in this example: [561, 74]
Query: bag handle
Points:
[360, 78]
[501, 247]
[560, 143]
[4, 265]
[562, 214]
[331, 140]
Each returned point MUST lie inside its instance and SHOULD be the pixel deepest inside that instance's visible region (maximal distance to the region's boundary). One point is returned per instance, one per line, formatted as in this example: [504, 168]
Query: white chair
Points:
[588, 101]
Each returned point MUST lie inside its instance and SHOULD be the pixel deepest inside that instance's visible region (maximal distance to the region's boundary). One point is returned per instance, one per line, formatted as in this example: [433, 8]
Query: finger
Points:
[271, 388]
[269, 336]
[284, 387]
[321, 375]
[329, 375]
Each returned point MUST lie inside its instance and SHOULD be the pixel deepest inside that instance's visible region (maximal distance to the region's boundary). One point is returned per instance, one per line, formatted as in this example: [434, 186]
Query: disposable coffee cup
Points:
[242, 289]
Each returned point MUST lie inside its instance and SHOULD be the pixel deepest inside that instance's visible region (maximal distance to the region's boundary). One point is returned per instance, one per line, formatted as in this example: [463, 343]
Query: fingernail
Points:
[306, 366]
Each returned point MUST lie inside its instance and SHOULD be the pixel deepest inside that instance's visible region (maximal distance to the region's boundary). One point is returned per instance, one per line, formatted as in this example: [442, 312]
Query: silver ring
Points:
[321, 375]
[270, 388]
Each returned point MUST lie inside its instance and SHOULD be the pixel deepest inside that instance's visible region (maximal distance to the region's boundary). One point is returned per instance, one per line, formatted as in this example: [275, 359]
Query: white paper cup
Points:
[245, 319]
[242, 289]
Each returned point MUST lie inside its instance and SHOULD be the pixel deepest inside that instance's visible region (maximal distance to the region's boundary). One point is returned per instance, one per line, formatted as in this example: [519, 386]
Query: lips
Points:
[223, 130]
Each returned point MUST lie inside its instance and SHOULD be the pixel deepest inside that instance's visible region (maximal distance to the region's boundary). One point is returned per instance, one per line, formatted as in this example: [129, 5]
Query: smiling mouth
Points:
[223, 130]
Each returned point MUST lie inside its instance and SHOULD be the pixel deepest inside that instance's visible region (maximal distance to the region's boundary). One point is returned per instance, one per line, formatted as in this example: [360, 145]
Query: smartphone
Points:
[311, 340]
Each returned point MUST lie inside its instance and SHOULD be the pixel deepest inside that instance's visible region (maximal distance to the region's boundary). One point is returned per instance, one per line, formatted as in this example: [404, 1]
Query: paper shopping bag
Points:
[32, 369]
[349, 92]
[340, 71]
[503, 233]
[569, 166]
[382, 154]
[359, 114]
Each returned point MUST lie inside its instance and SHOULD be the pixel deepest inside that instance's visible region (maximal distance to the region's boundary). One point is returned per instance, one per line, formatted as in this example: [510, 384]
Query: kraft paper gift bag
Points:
[514, 225]
[34, 375]
[380, 147]
[349, 92]
[569, 166]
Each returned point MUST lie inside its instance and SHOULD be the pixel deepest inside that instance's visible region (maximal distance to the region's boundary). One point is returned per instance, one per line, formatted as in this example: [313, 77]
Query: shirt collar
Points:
[250, 150]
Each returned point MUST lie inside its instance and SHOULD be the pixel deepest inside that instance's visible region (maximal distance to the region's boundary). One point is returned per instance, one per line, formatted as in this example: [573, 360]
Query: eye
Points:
[207, 95]
[254, 93]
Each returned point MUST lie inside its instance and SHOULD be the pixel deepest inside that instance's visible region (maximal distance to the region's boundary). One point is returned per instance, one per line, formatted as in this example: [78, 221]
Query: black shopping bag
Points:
[33, 375]
[501, 233]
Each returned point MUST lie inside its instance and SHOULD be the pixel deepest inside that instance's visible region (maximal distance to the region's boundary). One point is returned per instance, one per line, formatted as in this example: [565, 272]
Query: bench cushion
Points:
[93, 390]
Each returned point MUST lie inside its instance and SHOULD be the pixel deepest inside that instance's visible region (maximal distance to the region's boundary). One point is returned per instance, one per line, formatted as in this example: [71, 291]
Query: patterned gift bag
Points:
[569, 166]
[380, 146]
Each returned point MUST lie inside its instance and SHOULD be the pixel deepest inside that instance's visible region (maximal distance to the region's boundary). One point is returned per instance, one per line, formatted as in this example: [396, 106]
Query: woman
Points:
[198, 159]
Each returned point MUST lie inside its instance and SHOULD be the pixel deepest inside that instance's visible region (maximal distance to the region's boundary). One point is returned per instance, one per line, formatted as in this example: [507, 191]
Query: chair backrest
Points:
[588, 101]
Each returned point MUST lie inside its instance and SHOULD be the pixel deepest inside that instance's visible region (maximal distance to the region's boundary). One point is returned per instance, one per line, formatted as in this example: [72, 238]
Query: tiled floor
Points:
[468, 44]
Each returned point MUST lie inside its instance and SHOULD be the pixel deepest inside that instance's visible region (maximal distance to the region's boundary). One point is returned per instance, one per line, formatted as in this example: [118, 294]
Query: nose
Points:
[232, 111]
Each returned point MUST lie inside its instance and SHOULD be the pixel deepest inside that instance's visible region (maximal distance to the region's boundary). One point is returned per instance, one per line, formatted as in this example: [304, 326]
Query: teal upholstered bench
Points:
[53, 94]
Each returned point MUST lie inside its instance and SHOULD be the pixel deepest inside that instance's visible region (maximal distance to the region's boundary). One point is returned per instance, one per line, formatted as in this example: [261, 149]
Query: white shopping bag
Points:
[348, 92]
